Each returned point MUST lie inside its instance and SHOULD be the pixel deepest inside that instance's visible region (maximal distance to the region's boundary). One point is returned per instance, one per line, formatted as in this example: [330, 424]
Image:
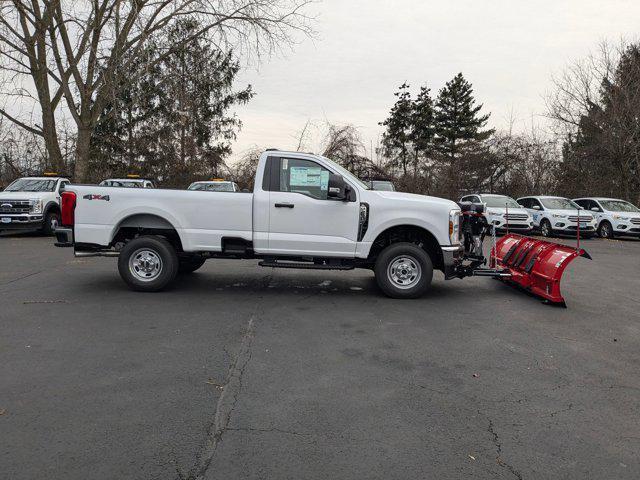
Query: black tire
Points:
[189, 265]
[545, 228]
[605, 230]
[389, 266]
[51, 222]
[148, 264]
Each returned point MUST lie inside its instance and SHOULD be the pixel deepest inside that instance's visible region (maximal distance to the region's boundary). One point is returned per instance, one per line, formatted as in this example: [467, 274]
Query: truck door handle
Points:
[284, 205]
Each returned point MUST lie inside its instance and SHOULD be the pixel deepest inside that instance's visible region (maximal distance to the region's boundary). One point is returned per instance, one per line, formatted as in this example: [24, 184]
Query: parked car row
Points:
[34, 203]
[551, 215]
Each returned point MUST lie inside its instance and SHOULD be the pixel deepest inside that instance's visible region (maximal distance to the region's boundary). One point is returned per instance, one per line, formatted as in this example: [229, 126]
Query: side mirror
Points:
[536, 207]
[338, 188]
[246, 190]
[595, 209]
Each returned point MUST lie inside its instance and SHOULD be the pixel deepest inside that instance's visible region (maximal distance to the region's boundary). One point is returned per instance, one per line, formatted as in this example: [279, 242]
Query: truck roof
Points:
[126, 180]
[46, 178]
[601, 198]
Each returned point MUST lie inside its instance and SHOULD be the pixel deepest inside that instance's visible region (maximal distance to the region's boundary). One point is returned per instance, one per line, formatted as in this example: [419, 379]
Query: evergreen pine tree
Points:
[458, 121]
[397, 137]
[173, 124]
[422, 133]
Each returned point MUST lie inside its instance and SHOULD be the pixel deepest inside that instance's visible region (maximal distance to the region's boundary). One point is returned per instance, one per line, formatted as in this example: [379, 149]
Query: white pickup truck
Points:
[31, 203]
[305, 212]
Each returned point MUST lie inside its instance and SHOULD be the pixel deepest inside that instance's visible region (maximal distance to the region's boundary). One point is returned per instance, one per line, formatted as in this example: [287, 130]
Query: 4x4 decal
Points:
[96, 197]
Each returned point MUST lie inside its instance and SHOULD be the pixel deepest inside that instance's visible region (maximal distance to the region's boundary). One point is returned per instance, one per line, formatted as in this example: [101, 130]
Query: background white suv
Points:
[613, 216]
[496, 213]
[555, 215]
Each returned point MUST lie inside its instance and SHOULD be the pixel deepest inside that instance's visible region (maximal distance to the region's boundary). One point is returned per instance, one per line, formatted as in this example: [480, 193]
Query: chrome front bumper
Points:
[20, 221]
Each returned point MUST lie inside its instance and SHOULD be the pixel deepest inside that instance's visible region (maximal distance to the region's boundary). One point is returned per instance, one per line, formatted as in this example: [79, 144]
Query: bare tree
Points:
[80, 51]
[595, 104]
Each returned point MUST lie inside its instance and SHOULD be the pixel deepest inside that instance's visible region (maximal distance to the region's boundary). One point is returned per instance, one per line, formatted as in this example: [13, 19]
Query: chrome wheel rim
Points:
[53, 223]
[404, 272]
[145, 264]
[605, 230]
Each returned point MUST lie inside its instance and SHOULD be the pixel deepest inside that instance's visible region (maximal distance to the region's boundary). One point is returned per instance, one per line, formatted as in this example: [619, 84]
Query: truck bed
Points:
[201, 218]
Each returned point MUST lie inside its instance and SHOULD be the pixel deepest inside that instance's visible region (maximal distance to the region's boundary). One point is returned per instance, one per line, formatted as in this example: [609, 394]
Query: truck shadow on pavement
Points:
[361, 288]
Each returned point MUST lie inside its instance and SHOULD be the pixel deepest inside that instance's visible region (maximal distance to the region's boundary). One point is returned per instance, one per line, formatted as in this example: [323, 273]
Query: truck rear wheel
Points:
[148, 264]
[404, 270]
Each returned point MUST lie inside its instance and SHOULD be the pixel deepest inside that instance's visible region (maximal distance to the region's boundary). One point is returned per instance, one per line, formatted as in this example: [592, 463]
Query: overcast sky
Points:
[365, 49]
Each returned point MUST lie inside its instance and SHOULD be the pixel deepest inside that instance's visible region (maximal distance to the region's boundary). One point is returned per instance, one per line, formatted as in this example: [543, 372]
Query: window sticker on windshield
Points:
[324, 180]
[285, 164]
[306, 177]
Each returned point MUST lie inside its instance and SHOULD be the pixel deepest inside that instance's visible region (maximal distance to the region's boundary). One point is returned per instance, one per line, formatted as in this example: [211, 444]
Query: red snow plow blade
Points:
[535, 265]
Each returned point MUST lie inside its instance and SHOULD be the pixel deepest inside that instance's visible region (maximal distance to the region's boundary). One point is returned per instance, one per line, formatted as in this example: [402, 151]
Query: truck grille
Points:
[518, 217]
[574, 218]
[15, 206]
[635, 221]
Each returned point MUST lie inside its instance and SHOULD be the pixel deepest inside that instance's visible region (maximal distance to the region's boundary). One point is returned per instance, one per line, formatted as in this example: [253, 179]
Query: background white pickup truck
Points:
[305, 212]
[31, 203]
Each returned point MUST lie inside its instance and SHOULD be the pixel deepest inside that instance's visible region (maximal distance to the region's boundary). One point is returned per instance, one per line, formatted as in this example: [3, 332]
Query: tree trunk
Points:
[50, 135]
[83, 145]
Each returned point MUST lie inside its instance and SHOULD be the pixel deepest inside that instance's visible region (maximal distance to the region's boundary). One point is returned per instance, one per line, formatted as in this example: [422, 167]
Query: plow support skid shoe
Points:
[535, 265]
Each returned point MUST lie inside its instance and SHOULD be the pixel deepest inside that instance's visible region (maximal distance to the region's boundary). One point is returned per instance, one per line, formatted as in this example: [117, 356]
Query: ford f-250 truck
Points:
[31, 203]
[305, 212]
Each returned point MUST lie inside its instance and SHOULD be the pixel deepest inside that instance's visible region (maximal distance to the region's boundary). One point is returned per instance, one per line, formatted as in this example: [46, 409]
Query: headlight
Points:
[36, 206]
[454, 227]
[619, 217]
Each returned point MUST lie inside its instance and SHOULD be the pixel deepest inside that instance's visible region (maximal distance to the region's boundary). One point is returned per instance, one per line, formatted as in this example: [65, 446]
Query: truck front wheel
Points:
[51, 222]
[404, 270]
[148, 264]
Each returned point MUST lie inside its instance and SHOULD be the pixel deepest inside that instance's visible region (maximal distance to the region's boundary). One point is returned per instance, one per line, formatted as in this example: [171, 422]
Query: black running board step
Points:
[305, 265]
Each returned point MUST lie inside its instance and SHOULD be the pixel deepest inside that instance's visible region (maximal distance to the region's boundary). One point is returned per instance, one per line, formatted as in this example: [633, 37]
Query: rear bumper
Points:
[21, 222]
[64, 237]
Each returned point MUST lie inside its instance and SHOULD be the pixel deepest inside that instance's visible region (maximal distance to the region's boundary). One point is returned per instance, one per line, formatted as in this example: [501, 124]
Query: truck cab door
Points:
[303, 219]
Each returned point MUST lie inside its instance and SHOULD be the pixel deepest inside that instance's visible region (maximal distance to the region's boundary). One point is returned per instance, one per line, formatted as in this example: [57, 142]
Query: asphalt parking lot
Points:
[246, 372]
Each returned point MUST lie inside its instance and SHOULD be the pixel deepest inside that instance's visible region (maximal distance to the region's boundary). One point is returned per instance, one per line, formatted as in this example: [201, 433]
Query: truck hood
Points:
[23, 195]
[413, 198]
[503, 211]
[573, 213]
[625, 214]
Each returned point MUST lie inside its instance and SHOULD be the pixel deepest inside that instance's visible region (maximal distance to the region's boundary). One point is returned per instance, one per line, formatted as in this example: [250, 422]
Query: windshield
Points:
[346, 173]
[619, 206]
[500, 202]
[121, 183]
[213, 187]
[382, 185]
[32, 185]
[559, 204]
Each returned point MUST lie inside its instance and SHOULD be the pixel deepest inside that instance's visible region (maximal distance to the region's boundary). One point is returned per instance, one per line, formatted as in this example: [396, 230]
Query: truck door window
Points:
[305, 177]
